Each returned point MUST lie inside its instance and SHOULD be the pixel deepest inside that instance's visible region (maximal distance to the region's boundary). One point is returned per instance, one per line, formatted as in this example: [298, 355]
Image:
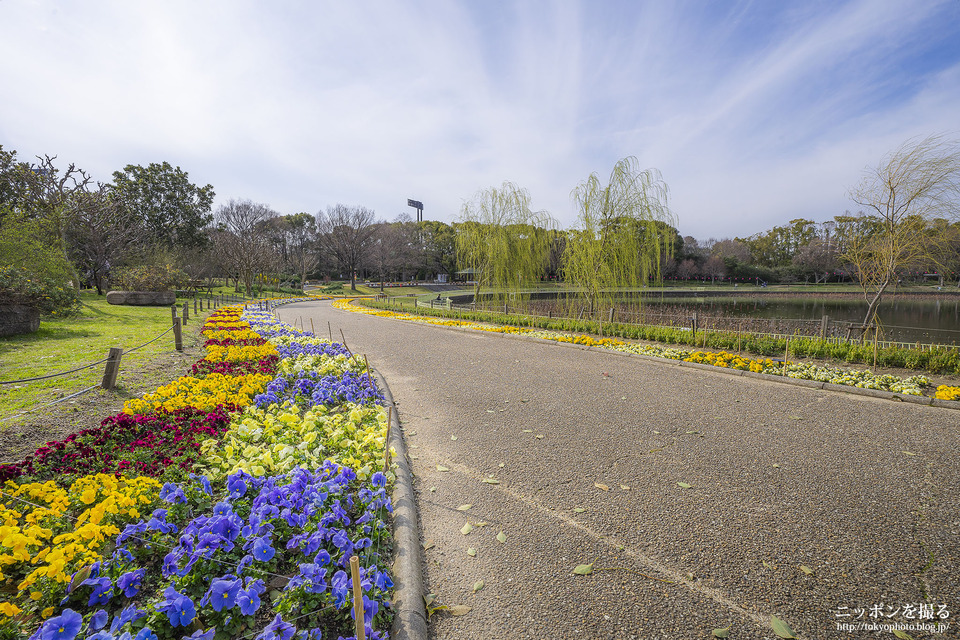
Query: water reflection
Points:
[936, 321]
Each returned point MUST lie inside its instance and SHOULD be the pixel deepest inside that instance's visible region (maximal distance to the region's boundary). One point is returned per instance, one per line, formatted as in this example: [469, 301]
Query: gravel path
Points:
[804, 504]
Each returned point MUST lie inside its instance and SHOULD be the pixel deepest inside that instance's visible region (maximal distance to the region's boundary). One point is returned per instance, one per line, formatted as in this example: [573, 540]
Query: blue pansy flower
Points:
[102, 590]
[262, 550]
[65, 626]
[99, 619]
[179, 608]
[223, 592]
[129, 582]
[277, 630]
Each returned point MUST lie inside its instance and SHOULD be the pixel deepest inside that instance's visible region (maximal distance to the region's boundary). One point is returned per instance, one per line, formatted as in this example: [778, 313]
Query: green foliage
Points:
[150, 277]
[620, 236]
[502, 241]
[172, 211]
[19, 286]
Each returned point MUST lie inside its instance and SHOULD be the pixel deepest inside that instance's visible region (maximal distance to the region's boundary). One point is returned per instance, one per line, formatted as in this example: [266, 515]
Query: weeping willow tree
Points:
[622, 232]
[504, 244]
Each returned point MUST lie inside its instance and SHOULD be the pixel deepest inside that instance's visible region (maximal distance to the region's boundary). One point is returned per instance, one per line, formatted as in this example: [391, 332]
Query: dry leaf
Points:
[600, 485]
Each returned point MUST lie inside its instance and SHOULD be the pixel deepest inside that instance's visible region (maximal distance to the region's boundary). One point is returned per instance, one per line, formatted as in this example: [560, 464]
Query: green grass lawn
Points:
[66, 343]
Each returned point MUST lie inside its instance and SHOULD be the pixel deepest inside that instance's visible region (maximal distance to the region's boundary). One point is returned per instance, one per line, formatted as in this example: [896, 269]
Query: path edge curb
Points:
[410, 616]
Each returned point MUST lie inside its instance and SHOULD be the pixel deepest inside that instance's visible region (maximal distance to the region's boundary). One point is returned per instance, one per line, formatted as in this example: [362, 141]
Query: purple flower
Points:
[146, 634]
[102, 590]
[237, 484]
[129, 582]
[172, 493]
[178, 607]
[200, 634]
[99, 619]
[65, 626]
[262, 550]
[277, 630]
[223, 593]
[129, 614]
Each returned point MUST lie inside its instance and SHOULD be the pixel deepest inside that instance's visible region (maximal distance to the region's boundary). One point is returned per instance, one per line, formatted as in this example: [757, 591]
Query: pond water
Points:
[902, 318]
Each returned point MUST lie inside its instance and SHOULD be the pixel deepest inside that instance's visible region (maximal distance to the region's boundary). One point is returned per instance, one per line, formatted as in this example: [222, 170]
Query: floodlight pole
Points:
[416, 204]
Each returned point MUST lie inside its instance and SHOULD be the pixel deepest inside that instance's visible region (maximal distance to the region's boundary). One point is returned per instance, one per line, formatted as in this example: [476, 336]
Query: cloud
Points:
[755, 112]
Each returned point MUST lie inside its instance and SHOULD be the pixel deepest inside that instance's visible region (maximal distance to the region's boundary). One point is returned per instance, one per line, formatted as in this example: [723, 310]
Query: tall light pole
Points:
[416, 204]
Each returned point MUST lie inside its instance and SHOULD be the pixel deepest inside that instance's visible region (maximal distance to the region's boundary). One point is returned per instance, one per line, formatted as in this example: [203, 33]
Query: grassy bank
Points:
[62, 344]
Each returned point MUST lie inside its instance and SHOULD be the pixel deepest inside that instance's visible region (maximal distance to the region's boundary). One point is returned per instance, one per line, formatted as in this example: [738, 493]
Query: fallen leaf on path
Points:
[721, 633]
[625, 487]
[909, 453]
[467, 528]
[600, 485]
[471, 552]
[464, 507]
[460, 610]
[684, 485]
[781, 628]
[903, 635]
[583, 569]
[440, 467]
[768, 565]
[528, 431]
[807, 570]
[502, 538]
[453, 437]
[578, 509]
[491, 481]
[432, 489]
[428, 545]
[539, 436]
[478, 585]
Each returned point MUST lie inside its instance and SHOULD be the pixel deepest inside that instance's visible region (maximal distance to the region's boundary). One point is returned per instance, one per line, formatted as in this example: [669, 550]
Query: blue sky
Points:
[754, 112]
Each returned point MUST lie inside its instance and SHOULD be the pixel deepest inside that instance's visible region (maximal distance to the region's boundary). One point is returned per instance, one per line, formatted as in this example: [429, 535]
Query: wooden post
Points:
[357, 598]
[177, 335]
[610, 319]
[693, 327]
[186, 313]
[112, 369]
[345, 343]
[173, 312]
[195, 311]
[786, 355]
[739, 329]
[312, 330]
[824, 322]
[330, 329]
[875, 339]
[386, 448]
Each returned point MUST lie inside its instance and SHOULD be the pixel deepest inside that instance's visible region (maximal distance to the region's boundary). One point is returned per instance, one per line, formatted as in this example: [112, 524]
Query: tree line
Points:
[625, 235]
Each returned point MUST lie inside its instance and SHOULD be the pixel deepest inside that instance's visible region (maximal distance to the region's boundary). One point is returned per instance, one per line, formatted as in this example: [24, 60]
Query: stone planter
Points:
[142, 298]
[16, 319]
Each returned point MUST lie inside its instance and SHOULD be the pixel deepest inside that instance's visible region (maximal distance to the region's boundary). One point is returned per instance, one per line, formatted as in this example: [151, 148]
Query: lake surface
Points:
[902, 318]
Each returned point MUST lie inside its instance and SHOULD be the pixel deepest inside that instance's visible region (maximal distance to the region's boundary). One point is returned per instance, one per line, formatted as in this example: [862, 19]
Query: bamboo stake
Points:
[330, 329]
[345, 343]
[386, 448]
[312, 330]
[357, 598]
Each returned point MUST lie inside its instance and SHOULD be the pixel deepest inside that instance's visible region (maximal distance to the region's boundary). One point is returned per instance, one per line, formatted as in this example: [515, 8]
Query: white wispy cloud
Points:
[755, 112]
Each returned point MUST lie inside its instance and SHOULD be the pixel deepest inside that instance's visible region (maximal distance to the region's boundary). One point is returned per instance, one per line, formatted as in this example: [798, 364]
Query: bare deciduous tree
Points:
[345, 234]
[917, 182]
[241, 245]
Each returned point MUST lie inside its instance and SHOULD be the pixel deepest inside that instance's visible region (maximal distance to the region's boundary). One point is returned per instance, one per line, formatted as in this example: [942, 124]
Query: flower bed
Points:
[258, 547]
[913, 385]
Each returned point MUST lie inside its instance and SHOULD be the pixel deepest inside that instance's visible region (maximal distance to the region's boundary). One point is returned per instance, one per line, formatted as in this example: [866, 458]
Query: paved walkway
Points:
[804, 504]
